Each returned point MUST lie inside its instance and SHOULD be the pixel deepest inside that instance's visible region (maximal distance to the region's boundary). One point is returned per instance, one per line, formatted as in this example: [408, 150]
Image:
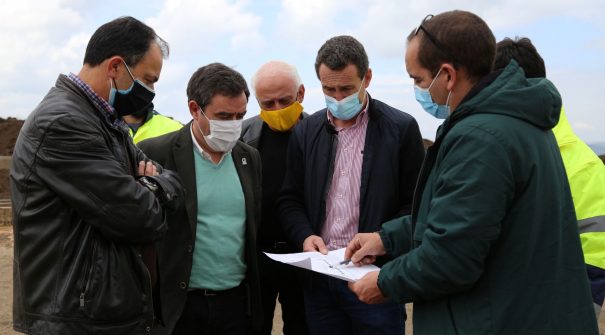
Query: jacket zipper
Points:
[130, 169]
[146, 271]
[147, 275]
[88, 278]
[449, 309]
[416, 197]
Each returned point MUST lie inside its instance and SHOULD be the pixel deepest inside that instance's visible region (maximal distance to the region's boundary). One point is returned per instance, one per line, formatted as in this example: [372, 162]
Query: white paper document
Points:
[325, 264]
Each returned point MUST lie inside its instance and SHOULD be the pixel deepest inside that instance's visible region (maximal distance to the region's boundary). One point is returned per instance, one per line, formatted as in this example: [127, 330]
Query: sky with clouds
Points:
[41, 39]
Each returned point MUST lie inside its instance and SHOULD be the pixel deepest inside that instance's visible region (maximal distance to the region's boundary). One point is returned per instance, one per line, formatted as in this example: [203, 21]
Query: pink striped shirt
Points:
[342, 204]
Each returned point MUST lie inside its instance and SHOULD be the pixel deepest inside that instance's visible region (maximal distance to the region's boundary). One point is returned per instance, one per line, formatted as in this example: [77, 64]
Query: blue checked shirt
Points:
[100, 103]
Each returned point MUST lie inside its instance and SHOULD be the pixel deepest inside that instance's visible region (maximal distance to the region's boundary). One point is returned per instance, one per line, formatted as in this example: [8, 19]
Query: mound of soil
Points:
[4, 191]
[9, 130]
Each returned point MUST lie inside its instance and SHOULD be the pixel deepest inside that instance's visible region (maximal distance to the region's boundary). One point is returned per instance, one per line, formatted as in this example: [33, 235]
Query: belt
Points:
[211, 293]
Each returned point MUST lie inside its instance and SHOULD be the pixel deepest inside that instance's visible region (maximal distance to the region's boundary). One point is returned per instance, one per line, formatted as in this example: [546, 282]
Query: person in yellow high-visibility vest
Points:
[585, 170]
[150, 125]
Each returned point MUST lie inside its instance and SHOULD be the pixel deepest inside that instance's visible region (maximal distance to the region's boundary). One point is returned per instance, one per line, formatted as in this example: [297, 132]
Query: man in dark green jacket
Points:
[492, 244]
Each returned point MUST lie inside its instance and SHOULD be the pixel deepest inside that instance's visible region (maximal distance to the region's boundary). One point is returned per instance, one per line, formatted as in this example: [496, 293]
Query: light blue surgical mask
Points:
[347, 108]
[423, 96]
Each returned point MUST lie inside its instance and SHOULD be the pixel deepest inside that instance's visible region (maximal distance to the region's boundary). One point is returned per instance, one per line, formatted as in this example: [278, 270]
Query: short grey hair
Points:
[276, 66]
[163, 47]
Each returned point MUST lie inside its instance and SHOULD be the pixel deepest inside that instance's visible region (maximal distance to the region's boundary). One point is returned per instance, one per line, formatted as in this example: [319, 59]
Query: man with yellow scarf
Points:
[279, 92]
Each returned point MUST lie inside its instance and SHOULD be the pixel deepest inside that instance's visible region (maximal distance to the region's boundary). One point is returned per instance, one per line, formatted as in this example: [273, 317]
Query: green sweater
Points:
[493, 245]
[218, 256]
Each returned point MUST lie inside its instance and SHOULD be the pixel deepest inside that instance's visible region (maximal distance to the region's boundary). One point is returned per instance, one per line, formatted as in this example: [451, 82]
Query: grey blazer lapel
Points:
[185, 166]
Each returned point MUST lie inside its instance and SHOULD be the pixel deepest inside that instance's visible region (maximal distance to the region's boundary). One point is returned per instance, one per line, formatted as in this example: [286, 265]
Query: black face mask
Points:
[136, 100]
[142, 113]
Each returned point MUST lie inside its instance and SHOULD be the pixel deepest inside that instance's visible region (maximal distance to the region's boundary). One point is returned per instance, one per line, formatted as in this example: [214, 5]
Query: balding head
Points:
[277, 85]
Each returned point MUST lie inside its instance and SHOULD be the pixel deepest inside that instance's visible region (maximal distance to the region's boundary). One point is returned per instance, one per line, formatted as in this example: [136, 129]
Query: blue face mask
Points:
[423, 96]
[346, 108]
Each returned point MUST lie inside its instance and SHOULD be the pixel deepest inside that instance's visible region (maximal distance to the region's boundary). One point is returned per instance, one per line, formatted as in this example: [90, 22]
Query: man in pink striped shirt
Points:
[350, 167]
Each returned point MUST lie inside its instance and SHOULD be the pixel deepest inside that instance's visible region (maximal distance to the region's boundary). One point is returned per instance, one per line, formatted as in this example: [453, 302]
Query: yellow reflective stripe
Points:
[593, 248]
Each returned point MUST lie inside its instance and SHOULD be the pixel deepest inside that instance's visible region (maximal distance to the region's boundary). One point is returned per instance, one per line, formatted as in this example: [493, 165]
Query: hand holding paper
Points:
[367, 290]
[326, 264]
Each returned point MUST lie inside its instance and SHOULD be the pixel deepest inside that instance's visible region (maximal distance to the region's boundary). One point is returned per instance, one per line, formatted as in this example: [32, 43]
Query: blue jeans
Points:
[332, 308]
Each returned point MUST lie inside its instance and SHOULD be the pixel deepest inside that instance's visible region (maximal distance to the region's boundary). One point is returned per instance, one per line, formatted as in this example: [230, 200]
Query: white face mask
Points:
[223, 134]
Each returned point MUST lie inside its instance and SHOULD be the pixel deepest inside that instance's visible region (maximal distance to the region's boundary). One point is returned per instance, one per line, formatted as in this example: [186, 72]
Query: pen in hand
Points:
[364, 260]
[345, 262]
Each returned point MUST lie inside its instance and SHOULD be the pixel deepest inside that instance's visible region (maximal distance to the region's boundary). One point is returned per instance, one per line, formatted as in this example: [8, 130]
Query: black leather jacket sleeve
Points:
[171, 191]
[76, 161]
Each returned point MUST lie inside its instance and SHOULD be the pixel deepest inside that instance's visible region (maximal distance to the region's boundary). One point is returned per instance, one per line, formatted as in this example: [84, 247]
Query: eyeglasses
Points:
[433, 40]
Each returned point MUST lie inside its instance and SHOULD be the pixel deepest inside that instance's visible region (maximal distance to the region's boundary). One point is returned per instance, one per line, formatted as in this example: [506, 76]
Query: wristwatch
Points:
[150, 184]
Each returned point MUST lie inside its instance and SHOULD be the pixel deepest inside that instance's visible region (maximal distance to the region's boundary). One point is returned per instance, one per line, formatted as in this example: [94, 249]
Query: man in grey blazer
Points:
[208, 259]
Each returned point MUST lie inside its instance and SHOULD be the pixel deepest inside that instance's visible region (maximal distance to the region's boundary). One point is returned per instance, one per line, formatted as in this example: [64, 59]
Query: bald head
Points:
[277, 85]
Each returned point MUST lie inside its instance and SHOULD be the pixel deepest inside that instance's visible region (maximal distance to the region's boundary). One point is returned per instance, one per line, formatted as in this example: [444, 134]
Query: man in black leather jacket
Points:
[85, 199]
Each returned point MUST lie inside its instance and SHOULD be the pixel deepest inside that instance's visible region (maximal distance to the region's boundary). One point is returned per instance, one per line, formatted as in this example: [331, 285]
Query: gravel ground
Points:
[6, 280]
[6, 294]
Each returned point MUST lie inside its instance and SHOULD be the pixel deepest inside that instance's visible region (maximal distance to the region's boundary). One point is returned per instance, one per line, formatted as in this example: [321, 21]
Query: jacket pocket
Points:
[115, 286]
[87, 274]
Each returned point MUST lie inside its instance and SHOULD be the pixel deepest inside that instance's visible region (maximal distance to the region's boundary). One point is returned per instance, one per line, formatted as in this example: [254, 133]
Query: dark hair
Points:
[340, 51]
[212, 79]
[458, 37]
[522, 51]
[126, 37]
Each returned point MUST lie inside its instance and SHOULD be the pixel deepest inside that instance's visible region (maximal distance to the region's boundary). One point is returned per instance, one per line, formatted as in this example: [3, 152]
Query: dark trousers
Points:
[597, 283]
[214, 313]
[284, 282]
[334, 309]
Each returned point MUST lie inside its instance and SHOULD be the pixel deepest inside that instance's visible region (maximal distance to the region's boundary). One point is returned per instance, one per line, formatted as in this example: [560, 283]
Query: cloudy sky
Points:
[41, 39]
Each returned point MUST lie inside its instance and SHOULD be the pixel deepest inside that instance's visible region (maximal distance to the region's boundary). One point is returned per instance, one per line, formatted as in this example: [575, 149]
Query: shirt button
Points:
[189, 248]
[183, 285]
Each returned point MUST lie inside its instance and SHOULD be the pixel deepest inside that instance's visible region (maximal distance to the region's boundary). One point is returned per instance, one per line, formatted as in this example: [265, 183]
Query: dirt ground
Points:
[9, 130]
[6, 293]
[6, 280]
